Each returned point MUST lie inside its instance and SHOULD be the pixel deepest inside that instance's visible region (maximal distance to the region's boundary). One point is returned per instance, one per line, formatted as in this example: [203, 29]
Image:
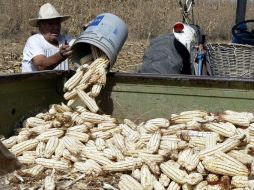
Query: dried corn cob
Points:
[164, 180]
[50, 133]
[19, 148]
[146, 178]
[10, 142]
[194, 178]
[26, 159]
[74, 80]
[123, 165]
[129, 181]
[173, 172]
[52, 163]
[227, 145]
[40, 149]
[225, 129]
[82, 137]
[51, 147]
[154, 142]
[223, 164]
[71, 144]
[174, 186]
[88, 167]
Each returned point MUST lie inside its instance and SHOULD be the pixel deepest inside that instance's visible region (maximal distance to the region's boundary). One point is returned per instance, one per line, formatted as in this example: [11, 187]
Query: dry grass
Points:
[145, 18]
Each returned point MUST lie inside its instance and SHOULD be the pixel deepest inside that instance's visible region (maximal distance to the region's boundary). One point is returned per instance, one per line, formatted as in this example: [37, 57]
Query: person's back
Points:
[166, 55]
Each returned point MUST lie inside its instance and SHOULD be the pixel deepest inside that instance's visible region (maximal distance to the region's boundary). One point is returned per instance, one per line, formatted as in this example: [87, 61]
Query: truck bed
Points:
[126, 95]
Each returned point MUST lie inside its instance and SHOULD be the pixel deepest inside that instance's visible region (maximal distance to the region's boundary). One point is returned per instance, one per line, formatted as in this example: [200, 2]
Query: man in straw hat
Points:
[47, 49]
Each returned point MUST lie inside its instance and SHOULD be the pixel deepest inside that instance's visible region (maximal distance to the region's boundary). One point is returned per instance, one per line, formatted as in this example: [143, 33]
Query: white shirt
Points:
[37, 45]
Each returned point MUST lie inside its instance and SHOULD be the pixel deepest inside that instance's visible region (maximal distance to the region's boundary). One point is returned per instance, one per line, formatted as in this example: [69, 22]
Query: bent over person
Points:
[47, 49]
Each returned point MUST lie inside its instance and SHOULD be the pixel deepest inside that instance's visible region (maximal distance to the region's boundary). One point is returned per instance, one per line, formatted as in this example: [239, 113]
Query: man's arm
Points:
[47, 63]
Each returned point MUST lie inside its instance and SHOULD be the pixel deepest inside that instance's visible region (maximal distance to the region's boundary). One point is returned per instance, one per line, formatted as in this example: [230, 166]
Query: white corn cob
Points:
[40, 149]
[88, 167]
[68, 156]
[96, 118]
[50, 181]
[51, 147]
[186, 186]
[146, 178]
[130, 182]
[174, 186]
[223, 164]
[102, 160]
[129, 145]
[109, 153]
[212, 179]
[71, 145]
[130, 123]
[10, 142]
[33, 122]
[183, 156]
[88, 101]
[151, 128]
[82, 137]
[34, 171]
[96, 89]
[40, 129]
[30, 153]
[164, 180]
[154, 142]
[74, 80]
[236, 119]
[251, 129]
[239, 181]
[194, 178]
[188, 134]
[100, 144]
[153, 157]
[83, 84]
[123, 165]
[160, 122]
[78, 128]
[54, 132]
[201, 169]
[26, 159]
[23, 135]
[227, 145]
[52, 163]
[198, 142]
[173, 129]
[173, 172]
[201, 186]
[118, 152]
[225, 129]
[70, 94]
[241, 156]
[136, 174]
[210, 141]
[19, 148]
[118, 140]
[59, 149]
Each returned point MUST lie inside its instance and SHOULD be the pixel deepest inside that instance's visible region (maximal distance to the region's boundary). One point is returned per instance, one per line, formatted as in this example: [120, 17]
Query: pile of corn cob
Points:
[190, 150]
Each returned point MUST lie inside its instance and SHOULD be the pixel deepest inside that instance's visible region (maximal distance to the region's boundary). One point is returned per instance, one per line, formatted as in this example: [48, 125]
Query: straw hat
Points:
[47, 11]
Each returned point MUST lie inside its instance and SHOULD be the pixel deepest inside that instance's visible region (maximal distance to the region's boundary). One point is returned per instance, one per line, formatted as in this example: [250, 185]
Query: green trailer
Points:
[126, 95]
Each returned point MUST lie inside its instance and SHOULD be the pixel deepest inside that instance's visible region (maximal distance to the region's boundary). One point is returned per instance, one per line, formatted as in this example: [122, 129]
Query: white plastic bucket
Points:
[107, 32]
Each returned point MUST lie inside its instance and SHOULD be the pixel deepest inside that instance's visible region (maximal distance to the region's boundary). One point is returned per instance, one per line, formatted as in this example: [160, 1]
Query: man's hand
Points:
[65, 51]
[8, 161]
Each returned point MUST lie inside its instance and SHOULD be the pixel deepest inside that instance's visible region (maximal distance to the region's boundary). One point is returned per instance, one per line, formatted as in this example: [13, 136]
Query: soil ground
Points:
[128, 60]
